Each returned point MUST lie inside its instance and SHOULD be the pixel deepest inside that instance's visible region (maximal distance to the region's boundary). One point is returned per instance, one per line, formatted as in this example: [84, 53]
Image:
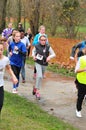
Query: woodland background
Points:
[64, 20]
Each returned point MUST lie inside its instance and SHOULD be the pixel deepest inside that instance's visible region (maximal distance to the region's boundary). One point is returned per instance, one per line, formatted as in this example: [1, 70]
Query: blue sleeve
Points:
[23, 50]
[35, 40]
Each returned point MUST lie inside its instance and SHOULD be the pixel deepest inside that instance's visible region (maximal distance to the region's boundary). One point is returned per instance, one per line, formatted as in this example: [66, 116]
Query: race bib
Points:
[39, 57]
[15, 52]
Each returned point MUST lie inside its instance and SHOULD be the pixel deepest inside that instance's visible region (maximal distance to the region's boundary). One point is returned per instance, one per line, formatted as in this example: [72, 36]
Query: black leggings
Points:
[1, 97]
[28, 51]
[81, 94]
[16, 71]
[34, 70]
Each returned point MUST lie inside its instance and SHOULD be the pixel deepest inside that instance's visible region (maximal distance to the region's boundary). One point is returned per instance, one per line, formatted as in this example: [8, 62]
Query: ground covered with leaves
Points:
[62, 48]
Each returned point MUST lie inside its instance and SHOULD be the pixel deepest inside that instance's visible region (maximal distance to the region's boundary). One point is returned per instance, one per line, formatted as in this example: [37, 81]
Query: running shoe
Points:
[37, 95]
[34, 91]
[14, 91]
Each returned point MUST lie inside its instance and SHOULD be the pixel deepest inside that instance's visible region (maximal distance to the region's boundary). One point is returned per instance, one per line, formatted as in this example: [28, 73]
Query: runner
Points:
[42, 53]
[4, 64]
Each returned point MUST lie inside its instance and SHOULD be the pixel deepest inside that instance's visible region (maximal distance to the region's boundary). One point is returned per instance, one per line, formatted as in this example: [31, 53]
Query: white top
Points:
[26, 41]
[78, 63]
[77, 66]
[3, 63]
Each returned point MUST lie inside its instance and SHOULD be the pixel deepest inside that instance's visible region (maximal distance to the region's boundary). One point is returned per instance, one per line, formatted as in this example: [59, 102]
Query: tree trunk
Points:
[34, 22]
[3, 4]
[19, 12]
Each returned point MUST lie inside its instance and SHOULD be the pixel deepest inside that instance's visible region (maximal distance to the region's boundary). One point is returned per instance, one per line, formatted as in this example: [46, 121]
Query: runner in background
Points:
[29, 35]
[78, 47]
[7, 31]
[20, 27]
[26, 42]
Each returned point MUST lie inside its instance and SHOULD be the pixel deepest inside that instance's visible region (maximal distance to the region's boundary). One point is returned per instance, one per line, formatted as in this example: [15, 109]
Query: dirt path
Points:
[58, 96]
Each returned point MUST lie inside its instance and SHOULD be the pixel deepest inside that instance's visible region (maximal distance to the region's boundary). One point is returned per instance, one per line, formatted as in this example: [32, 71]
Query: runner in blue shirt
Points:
[17, 50]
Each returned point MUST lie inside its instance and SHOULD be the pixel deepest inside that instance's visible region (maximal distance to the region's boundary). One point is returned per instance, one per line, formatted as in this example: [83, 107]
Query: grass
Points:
[30, 61]
[20, 114]
[61, 70]
[82, 29]
[60, 32]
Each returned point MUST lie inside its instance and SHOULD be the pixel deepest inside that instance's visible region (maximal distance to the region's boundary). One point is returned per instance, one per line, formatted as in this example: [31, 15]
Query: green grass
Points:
[20, 114]
[61, 70]
[82, 29]
[30, 61]
[60, 32]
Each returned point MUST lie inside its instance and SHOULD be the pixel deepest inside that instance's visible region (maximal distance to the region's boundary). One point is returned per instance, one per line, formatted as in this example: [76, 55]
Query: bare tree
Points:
[70, 17]
[3, 4]
[54, 16]
[13, 11]
[19, 11]
[34, 15]
[51, 13]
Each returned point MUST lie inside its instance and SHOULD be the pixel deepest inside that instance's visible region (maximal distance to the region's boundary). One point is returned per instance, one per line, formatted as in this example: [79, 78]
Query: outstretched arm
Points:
[52, 54]
[14, 79]
[74, 48]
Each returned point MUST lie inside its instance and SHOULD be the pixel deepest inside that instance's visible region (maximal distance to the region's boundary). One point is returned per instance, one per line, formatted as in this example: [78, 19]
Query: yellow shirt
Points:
[81, 77]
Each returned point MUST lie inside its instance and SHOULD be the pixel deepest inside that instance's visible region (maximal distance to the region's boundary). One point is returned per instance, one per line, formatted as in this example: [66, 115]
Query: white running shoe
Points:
[78, 113]
[14, 90]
